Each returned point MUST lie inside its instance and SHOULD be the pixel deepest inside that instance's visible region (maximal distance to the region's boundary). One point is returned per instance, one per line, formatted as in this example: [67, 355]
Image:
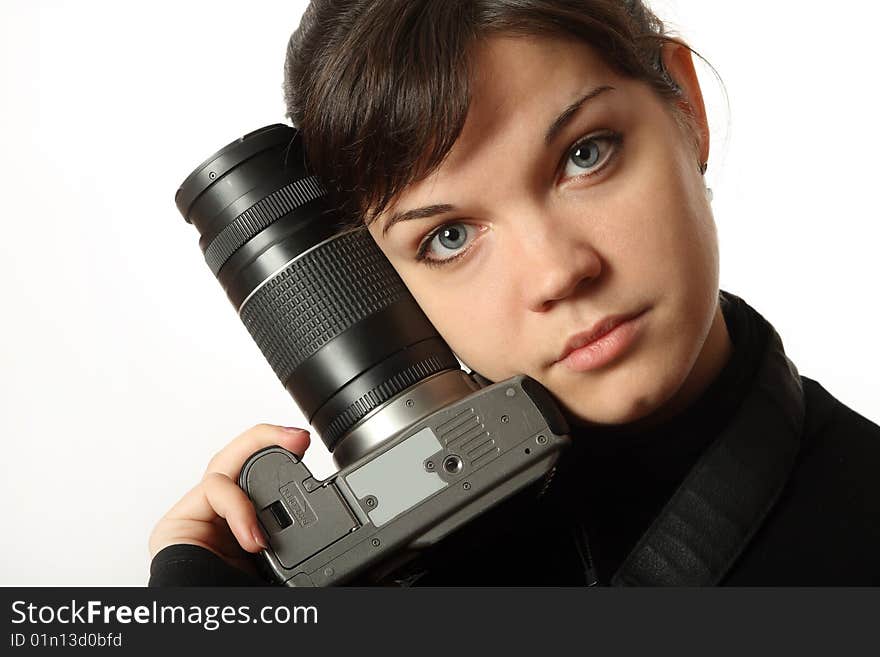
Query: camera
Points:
[423, 448]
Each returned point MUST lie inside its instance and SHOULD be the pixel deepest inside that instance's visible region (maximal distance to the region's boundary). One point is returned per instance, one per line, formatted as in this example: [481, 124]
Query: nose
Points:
[556, 258]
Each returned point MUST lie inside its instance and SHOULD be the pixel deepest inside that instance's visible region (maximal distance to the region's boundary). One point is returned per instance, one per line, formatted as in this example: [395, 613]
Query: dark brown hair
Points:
[379, 88]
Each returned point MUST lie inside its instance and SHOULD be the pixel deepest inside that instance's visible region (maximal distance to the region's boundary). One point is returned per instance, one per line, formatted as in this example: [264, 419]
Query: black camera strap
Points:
[724, 499]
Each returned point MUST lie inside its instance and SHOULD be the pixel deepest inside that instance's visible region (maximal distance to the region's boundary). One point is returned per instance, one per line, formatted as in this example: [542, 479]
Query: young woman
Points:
[534, 172]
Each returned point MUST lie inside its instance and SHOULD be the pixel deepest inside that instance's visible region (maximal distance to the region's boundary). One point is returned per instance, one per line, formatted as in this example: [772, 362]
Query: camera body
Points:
[418, 487]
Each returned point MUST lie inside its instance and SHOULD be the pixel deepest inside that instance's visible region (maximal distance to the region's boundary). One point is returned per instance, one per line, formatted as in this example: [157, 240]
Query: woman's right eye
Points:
[446, 239]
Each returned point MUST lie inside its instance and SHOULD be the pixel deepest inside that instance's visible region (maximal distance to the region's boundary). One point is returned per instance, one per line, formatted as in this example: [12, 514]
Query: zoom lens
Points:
[324, 305]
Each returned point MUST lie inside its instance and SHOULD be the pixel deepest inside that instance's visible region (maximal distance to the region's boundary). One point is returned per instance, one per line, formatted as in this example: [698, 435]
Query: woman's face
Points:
[610, 216]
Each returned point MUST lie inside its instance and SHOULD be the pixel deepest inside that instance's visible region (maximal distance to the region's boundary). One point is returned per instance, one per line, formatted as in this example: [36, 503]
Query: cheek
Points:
[671, 236]
[474, 319]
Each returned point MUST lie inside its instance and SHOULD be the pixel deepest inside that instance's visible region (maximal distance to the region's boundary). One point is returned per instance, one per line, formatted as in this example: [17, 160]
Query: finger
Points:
[229, 460]
[193, 505]
[231, 503]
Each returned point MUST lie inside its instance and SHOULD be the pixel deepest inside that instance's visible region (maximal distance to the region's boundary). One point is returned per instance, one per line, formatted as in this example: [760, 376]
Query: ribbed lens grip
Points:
[258, 216]
[318, 296]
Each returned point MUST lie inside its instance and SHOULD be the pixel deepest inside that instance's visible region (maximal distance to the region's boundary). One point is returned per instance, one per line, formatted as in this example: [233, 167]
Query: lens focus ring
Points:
[258, 216]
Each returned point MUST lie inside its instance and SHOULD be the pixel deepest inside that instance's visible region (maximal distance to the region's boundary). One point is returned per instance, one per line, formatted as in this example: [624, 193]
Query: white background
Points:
[124, 365]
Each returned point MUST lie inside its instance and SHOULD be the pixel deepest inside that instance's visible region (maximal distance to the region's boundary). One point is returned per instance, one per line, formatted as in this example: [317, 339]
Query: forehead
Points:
[508, 66]
[519, 84]
[519, 80]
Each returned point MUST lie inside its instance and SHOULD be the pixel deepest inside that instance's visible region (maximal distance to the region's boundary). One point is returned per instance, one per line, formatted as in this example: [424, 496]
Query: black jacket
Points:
[652, 508]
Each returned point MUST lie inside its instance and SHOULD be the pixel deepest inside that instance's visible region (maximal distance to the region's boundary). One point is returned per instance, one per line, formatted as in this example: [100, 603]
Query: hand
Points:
[217, 514]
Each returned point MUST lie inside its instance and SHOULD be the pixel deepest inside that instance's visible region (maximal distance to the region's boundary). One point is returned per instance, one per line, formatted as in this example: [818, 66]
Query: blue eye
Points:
[586, 154]
[449, 237]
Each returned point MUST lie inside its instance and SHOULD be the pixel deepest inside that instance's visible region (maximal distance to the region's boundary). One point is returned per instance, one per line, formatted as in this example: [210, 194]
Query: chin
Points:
[605, 416]
[634, 392]
[626, 401]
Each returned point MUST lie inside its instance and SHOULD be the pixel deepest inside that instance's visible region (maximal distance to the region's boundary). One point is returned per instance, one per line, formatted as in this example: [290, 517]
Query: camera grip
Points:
[288, 499]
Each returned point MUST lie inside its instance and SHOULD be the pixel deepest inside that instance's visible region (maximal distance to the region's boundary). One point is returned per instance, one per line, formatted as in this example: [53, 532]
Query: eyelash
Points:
[615, 139]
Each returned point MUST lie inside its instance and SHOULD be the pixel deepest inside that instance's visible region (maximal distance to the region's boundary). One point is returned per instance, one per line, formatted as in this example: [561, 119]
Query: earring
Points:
[703, 167]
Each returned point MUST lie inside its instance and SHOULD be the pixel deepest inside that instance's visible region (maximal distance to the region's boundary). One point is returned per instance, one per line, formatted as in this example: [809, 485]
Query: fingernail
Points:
[259, 538]
[295, 430]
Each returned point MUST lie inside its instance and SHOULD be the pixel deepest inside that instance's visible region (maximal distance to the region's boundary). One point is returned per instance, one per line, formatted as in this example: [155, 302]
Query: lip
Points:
[599, 345]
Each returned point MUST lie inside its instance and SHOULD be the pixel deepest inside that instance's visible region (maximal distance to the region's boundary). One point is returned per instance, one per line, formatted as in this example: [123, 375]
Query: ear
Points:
[680, 65]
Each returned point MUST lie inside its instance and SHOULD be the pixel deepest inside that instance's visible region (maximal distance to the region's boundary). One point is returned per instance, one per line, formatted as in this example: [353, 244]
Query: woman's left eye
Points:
[591, 154]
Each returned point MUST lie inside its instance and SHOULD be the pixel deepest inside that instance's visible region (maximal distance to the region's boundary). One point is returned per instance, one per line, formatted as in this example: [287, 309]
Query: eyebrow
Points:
[565, 118]
[418, 213]
[553, 131]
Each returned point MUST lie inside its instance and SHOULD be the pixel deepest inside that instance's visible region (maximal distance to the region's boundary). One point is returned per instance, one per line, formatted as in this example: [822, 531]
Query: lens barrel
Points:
[326, 308]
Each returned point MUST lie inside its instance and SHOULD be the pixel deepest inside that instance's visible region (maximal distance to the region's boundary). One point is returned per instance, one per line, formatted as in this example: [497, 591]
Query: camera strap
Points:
[726, 496]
